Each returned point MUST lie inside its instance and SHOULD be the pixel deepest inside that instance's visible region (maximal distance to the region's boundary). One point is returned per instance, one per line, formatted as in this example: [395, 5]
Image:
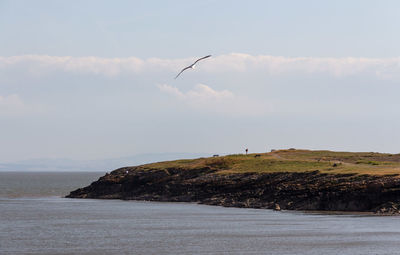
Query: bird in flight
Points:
[192, 65]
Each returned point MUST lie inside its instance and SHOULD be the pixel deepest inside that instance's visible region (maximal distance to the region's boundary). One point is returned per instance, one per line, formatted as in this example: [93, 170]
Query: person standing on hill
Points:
[247, 150]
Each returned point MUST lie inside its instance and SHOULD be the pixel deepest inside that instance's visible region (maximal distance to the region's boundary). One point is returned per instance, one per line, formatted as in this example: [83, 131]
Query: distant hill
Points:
[104, 165]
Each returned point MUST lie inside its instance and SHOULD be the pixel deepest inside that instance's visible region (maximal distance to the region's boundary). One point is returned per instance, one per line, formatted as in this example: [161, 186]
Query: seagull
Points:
[192, 65]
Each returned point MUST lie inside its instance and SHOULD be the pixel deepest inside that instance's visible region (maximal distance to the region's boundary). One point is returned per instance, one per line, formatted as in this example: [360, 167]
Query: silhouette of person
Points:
[247, 150]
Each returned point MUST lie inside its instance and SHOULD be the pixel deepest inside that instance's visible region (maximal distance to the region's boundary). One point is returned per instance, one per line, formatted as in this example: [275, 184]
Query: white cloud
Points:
[204, 98]
[13, 105]
[386, 68]
[277, 65]
[200, 92]
[42, 64]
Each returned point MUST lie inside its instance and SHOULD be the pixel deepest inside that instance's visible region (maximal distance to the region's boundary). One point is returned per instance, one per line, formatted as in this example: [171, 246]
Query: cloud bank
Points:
[203, 98]
[385, 68]
[200, 92]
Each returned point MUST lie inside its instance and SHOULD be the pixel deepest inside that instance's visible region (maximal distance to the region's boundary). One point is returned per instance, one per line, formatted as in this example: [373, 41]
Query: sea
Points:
[35, 218]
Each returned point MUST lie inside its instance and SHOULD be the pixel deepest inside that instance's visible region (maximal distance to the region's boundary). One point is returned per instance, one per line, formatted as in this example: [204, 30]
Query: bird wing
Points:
[201, 59]
[183, 70]
[191, 65]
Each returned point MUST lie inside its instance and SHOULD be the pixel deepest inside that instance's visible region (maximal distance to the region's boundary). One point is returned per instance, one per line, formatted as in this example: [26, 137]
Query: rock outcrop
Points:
[282, 190]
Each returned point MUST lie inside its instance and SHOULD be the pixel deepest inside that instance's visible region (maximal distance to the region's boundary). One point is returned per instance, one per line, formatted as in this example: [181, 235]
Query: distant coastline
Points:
[100, 165]
[281, 180]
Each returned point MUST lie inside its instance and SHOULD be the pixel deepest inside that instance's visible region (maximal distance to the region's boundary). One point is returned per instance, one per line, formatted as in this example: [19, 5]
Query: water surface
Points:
[50, 224]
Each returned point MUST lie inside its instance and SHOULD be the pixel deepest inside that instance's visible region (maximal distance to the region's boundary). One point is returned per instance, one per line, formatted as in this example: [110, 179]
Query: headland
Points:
[281, 180]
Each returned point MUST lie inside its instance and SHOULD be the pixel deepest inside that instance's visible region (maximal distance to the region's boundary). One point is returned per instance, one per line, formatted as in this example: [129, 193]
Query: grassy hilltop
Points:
[291, 160]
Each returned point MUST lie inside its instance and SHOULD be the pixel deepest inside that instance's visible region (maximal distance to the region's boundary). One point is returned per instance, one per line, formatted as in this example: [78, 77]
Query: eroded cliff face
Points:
[288, 191]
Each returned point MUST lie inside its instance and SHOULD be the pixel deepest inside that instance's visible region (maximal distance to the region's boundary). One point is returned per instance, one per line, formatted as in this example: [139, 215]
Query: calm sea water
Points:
[35, 219]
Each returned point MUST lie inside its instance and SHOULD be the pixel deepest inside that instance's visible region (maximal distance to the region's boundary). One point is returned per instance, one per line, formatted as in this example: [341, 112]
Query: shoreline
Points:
[310, 212]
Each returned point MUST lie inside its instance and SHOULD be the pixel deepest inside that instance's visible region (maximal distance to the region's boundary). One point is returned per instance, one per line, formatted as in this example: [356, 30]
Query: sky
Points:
[95, 79]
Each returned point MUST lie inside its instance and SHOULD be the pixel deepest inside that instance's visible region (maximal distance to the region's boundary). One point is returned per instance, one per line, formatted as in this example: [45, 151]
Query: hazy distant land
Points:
[102, 165]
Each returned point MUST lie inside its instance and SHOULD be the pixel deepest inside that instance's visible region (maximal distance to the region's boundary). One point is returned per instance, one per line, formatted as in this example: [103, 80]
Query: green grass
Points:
[361, 163]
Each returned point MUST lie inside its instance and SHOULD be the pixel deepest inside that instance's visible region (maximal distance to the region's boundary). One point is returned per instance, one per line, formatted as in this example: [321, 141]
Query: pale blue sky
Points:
[171, 29]
[305, 74]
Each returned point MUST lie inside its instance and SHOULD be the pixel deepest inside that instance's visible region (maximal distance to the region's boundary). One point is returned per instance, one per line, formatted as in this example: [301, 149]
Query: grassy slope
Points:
[294, 161]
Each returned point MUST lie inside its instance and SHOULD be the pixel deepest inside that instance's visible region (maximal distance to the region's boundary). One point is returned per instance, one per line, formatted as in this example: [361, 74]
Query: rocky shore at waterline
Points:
[309, 190]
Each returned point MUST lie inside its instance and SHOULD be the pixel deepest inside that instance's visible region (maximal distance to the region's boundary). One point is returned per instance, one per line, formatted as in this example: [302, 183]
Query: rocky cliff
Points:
[207, 184]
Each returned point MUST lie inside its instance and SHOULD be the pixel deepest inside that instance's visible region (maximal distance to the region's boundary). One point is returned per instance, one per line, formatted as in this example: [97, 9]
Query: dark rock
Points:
[388, 208]
[283, 190]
